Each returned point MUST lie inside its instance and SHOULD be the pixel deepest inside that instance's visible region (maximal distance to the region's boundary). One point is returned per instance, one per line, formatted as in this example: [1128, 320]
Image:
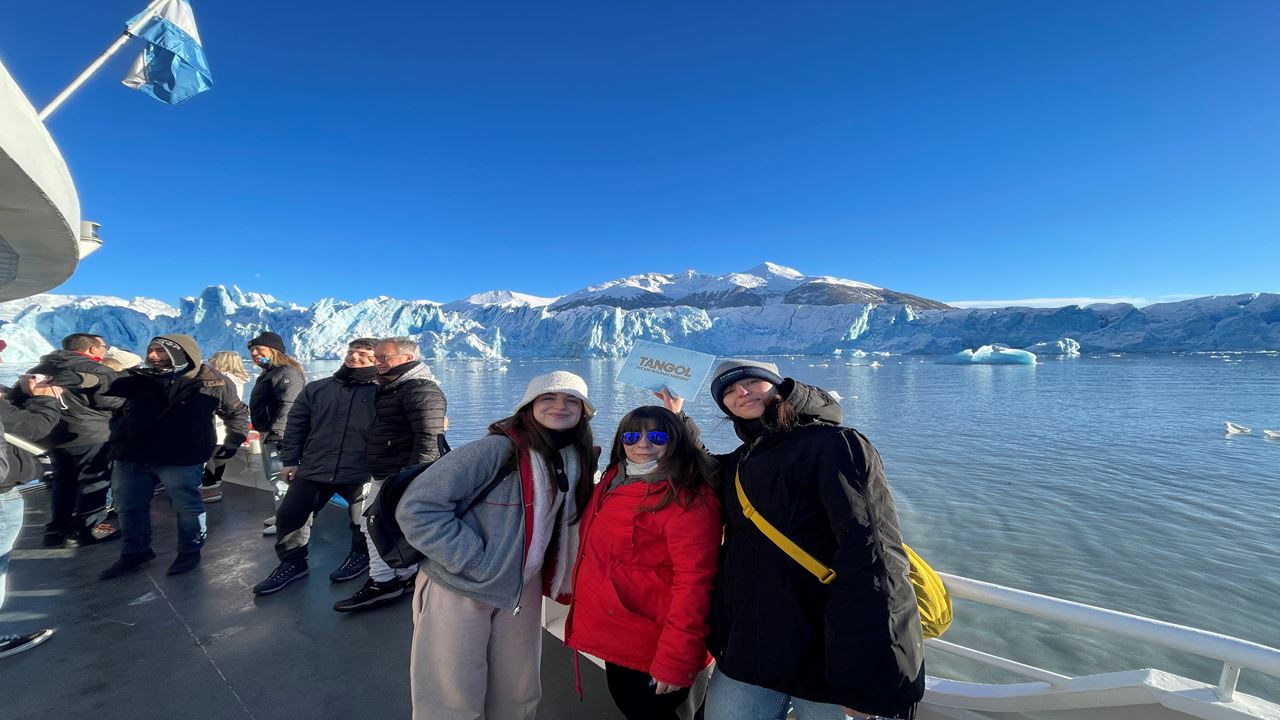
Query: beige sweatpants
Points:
[472, 661]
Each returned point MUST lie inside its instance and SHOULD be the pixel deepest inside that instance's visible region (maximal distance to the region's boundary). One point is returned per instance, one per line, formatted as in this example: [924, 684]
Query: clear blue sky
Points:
[957, 150]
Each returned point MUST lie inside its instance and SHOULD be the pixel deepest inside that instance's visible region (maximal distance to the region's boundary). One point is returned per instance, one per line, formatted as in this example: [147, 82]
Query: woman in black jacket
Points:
[270, 400]
[781, 636]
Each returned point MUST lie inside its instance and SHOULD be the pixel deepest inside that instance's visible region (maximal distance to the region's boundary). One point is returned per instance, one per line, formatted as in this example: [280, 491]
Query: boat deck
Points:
[201, 645]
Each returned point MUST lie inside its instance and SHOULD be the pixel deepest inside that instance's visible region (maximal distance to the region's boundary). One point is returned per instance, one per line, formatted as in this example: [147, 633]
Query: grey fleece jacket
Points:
[481, 554]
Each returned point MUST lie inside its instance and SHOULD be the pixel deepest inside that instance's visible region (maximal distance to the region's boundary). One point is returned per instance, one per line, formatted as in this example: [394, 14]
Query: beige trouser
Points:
[472, 661]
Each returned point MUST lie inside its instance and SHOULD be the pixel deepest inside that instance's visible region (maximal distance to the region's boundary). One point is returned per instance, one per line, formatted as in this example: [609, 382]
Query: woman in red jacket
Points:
[649, 540]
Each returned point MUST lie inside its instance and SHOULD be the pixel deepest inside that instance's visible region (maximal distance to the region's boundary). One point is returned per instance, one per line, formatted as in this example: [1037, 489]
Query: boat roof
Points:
[39, 208]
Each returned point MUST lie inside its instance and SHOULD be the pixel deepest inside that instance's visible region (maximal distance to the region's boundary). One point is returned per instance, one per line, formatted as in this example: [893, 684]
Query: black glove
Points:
[225, 452]
[68, 379]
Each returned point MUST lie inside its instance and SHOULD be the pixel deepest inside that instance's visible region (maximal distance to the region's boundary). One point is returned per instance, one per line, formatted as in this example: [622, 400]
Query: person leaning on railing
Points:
[849, 642]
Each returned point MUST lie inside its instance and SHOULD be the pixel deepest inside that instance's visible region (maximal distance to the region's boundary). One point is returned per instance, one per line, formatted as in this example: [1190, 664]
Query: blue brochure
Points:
[653, 366]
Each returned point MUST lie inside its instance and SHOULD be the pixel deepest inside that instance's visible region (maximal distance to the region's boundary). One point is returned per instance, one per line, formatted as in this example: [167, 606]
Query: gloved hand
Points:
[69, 379]
[225, 452]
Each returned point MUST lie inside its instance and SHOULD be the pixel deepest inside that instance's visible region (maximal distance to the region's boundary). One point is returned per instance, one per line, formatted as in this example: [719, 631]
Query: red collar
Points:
[94, 358]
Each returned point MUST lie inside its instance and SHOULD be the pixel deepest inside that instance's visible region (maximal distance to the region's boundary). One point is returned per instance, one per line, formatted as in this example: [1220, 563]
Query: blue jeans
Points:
[134, 485]
[729, 699]
[10, 526]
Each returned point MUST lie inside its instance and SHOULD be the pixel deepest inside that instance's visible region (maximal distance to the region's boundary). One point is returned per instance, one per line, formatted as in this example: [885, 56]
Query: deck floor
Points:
[201, 645]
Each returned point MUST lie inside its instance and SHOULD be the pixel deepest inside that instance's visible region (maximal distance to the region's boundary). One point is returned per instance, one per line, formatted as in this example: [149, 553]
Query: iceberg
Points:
[991, 355]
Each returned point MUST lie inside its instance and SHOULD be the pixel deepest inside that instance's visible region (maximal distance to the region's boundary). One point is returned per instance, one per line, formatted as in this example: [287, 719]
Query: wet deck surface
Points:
[201, 645]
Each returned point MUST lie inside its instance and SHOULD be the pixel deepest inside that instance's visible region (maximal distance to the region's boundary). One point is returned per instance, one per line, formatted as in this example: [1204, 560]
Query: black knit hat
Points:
[271, 340]
[731, 371]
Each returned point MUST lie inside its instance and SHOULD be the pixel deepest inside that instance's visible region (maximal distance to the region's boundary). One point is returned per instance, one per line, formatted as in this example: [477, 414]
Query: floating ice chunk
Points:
[1272, 434]
[859, 353]
[1066, 347]
[1234, 429]
[991, 355]
[837, 397]
[875, 364]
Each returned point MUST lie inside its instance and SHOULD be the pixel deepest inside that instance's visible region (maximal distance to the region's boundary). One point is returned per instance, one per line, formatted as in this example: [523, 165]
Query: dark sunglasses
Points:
[657, 437]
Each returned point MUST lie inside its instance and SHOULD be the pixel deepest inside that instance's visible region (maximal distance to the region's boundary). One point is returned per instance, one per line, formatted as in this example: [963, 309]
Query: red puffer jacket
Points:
[642, 582]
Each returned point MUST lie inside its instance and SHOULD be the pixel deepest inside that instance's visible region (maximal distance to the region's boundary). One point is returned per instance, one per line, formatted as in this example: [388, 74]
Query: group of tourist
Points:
[668, 555]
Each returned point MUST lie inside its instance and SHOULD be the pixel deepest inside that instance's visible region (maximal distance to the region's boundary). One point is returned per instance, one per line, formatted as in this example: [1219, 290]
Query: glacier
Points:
[767, 310]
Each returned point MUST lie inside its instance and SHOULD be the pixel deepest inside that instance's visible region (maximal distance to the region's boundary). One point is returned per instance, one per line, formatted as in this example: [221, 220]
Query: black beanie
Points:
[271, 340]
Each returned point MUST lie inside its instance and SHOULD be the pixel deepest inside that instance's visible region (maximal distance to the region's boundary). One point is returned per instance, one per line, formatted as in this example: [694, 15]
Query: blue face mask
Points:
[263, 361]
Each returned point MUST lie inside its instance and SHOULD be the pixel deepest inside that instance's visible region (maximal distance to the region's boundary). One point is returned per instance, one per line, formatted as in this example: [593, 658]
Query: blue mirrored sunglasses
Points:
[657, 437]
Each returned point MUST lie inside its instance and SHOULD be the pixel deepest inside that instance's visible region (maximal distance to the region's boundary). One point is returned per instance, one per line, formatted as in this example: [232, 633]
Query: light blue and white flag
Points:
[172, 68]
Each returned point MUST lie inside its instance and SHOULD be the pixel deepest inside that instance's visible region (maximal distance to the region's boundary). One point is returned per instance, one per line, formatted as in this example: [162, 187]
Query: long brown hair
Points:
[685, 467]
[532, 435]
[779, 416]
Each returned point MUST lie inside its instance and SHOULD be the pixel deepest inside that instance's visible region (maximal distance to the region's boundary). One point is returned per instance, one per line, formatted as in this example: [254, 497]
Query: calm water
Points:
[1105, 480]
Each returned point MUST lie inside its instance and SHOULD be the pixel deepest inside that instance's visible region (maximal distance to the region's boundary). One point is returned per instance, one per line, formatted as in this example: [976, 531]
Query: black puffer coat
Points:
[271, 399]
[855, 642]
[168, 417]
[32, 422]
[85, 421]
[410, 418]
[328, 431]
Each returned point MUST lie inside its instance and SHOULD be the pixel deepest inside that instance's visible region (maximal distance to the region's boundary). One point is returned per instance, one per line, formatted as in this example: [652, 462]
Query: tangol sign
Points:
[653, 366]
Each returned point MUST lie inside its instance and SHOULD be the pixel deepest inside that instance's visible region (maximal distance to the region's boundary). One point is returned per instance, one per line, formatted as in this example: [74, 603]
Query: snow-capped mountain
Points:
[766, 310]
[765, 284]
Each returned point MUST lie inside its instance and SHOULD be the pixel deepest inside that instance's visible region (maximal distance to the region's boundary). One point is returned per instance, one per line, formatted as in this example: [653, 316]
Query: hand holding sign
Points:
[657, 367]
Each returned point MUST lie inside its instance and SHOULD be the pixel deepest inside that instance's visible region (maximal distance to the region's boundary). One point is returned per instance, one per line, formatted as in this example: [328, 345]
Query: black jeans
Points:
[635, 697]
[78, 491]
[301, 502]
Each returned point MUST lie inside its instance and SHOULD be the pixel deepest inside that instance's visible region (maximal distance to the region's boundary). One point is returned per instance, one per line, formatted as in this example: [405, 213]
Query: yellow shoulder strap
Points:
[824, 574]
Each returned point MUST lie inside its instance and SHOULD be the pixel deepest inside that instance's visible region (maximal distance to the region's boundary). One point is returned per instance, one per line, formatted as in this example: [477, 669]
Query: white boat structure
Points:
[1236, 429]
[41, 244]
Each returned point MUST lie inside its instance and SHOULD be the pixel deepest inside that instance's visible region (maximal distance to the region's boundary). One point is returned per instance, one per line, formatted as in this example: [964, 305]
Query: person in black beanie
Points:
[324, 455]
[848, 642]
[272, 396]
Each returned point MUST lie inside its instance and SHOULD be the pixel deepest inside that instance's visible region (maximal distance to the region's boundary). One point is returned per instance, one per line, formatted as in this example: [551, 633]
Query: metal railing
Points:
[1233, 653]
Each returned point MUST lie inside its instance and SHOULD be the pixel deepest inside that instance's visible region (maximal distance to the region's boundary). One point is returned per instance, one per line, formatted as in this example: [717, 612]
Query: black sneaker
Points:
[185, 562]
[350, 569]
[102, 532]
[14, 644]
[285, 573]
[410, 582]
[127, 563]
[371, 594]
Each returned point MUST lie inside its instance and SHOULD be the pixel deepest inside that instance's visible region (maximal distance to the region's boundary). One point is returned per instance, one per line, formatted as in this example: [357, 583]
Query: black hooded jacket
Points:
[168, 417]
[328, 430]
[88, 413]
[855, 642]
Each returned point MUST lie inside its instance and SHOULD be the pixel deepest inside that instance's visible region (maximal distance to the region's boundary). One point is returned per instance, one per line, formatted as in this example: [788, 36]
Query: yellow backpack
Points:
[932, 599]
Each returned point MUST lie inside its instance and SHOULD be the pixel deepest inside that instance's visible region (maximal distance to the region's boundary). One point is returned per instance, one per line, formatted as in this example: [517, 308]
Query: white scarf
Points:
[545, 509]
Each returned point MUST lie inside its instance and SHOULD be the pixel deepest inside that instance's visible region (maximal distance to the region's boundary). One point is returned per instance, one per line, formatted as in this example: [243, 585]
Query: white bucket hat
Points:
[560, 381]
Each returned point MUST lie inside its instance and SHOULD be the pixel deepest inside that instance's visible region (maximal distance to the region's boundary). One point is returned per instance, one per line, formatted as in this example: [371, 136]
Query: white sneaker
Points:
[269, 521]
[269, 530]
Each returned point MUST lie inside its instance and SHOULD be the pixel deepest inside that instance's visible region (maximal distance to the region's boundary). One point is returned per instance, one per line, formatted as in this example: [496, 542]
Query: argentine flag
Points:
[172, 67]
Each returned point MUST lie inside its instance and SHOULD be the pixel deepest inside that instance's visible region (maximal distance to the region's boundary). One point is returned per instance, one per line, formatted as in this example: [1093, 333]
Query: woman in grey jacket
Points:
[477, 640]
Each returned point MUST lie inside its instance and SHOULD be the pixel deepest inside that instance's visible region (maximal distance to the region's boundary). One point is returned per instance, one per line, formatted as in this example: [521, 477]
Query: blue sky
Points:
[956, 150]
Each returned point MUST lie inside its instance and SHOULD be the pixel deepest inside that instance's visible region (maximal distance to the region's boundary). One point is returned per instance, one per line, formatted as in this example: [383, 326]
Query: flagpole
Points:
[93, 67]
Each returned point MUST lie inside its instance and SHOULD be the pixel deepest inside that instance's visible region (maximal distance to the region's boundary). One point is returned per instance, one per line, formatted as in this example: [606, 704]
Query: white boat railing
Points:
[1233, 653]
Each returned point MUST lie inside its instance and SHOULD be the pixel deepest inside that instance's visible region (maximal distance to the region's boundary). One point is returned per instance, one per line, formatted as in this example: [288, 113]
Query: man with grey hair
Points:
[409, 412]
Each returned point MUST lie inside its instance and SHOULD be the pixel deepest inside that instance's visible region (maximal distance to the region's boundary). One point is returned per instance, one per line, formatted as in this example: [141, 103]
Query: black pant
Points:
[301, 502]
[78, 490]
[636, 698]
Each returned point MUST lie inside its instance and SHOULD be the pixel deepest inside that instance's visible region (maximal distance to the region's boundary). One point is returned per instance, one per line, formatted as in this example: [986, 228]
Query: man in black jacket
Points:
[165, 434]
[410, 419]
[324, 455]
[26, 425]
[81, 463]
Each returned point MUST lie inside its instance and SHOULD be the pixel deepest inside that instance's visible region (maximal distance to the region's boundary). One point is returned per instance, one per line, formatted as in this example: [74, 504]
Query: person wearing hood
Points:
[270, 400]
[164, 435]
[324, 455]
[408, 424]
[781, 636]
[78, 446]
